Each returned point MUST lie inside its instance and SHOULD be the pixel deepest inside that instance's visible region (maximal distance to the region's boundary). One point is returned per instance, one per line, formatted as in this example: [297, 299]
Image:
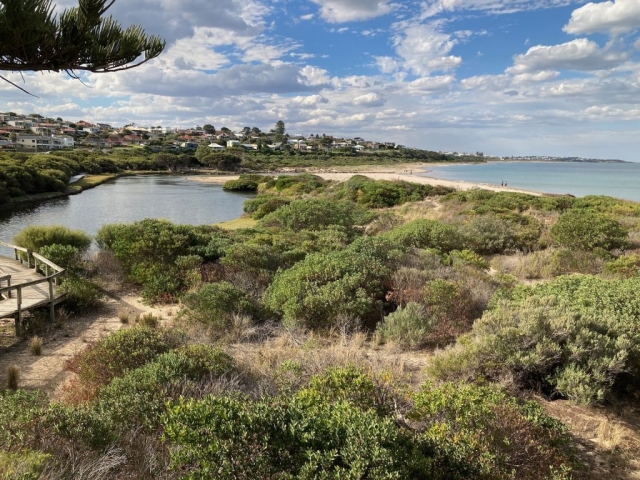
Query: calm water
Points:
[129, 199]
[621, 180]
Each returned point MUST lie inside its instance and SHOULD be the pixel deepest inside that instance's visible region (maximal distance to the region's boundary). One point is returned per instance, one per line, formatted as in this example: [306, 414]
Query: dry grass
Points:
[35, 346]
[13, 377]
[149, 320]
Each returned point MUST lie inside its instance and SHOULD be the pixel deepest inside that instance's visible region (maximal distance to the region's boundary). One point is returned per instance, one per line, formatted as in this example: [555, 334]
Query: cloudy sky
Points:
[506, 77]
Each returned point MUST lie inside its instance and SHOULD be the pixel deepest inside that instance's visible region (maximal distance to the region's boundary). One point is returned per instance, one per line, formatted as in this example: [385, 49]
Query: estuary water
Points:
[621, 180]
[129, 199]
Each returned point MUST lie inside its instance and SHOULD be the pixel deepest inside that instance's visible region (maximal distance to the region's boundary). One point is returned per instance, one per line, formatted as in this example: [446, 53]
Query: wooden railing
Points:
[52, 275]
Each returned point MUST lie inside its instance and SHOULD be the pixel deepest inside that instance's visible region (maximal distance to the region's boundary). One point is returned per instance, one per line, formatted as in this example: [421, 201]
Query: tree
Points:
[34, 38]
[208, 128]
[279, 131]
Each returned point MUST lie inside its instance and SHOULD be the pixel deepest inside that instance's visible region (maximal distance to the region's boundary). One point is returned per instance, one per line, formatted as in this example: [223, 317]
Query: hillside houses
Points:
[35, 132]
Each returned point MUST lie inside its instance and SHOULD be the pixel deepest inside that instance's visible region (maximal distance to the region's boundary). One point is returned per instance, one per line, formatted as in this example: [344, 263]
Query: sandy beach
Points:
[378, 174]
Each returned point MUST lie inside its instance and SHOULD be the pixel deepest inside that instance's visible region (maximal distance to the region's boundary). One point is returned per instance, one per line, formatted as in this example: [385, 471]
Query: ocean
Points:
[620, 180]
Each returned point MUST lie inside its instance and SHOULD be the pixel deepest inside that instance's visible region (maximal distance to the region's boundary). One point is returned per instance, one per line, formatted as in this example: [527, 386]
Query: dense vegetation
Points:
[23, 174]
[274, 365]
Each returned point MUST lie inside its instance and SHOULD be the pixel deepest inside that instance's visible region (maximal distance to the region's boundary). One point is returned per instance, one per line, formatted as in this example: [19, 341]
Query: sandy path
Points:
[46, 372]
[389, 175]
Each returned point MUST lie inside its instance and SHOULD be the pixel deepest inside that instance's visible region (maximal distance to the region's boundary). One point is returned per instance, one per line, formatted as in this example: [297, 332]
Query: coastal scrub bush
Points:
[18, 411]
[587, 230]
[567, 338]
[489, 234]
[246, 183]
[140, 396]
[80, 293]
[407, 327]
[426, 234]
[214, 305]
[65, 256]
[297, 184]
[474, 432]
[314, 214]
[264, 205]
[316, 290]
[286, 438]
[382, 193]
[624, 266]
[113, 356]
[35, 237]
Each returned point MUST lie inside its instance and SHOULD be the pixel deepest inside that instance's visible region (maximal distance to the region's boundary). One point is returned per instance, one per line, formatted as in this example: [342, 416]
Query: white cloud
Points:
[424, 49]
[309, 101]
[618, 16]
[580, 54]
[435, 7]
[541, 76]
[308, 16]
[369, 100]
[387, 64]
[340, 11]
[314, 75]
[431, 84]
[637, 44]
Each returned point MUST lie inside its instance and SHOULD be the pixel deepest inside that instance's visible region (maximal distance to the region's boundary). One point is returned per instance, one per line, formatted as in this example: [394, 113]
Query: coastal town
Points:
[37, 133]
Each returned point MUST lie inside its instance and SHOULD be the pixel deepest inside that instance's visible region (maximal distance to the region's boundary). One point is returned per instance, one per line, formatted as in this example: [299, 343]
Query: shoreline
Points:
[390, 174]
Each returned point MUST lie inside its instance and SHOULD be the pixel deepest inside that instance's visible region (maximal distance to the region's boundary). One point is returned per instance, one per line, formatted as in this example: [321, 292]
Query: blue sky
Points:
[506, 77]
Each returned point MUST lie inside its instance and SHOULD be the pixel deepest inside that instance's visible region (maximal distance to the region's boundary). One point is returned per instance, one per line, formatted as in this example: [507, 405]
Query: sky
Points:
[505, 77]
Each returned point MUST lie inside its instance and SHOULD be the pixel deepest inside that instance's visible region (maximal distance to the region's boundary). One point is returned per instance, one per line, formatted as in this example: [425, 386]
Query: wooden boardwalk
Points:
[28, 284]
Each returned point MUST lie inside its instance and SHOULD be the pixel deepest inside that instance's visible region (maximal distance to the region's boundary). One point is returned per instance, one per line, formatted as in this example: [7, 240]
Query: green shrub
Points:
[65, 256]
[263, 205]
[316, 290]
[587, 230]
[246, 183]
[81, 293]
[446, 302]
[140, 396]
[489, 234]
[426, 234]
[624, 266]
[118, 353]
[214, 304]
[287, 439]
[314, 214]
[19, 411]
[36, 237]
[468, 257]
[382, 193]
[568, 345]
[407, 327]
[480, 432]
[24, 465]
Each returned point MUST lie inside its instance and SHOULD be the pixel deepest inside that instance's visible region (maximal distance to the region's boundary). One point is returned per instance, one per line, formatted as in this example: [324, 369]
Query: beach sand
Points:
[377, 173]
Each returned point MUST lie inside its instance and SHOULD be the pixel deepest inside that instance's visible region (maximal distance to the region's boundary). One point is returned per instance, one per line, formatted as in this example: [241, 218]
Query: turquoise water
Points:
[621, 180]
[129, 199]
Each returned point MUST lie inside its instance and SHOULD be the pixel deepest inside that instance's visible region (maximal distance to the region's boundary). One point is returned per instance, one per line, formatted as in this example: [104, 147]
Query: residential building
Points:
[233, 143]
[35, 142]
[215, 147]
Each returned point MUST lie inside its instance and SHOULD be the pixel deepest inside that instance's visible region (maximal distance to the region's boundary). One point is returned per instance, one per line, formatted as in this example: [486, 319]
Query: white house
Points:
[63, 141]
[34, 141]
[215, 147]
[233, 143]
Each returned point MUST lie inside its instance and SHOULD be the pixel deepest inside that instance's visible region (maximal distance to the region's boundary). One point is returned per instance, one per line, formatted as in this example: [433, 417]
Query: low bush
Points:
[489, 234]
[476, 432]
[35, 237]
[24, 465]
[587, 230]
[315, 214]
[468, 257]
[246, 183]
[263, 205]
[407, 327]
[624, 266]
[19, 411]
[581, 343]
[65, 256]
[116, 354]
[426, 234]
[316, 290]
[383, 193]
[214, 305]
[81, 293]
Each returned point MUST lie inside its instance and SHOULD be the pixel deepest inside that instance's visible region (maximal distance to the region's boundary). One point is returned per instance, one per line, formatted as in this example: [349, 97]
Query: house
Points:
[63, 141]
[34, 141]
[103, 126]
[275, 146]
[43, 129]
[215, 147]
[21, 123]
[358, 148]
[233, 143]
[250, 146]
[190, 145]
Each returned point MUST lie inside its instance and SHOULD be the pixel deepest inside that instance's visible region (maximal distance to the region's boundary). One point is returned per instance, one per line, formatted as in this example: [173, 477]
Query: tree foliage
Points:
[34, 38]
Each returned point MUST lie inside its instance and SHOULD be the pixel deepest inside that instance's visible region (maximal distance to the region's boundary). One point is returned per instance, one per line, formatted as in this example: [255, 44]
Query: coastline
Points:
[385, 174]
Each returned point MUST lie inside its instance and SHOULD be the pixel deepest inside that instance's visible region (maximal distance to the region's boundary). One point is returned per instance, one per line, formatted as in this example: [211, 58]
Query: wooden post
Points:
[19, 317]
[52, 311]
